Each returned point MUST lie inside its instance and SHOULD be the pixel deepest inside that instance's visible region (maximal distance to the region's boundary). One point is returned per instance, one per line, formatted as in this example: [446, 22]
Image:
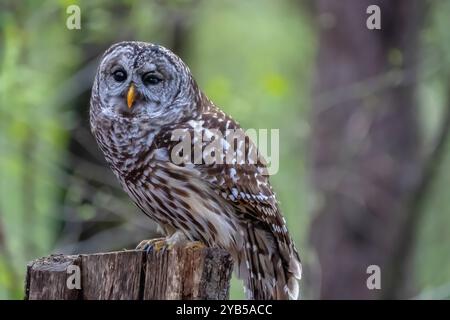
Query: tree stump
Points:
[179, 273]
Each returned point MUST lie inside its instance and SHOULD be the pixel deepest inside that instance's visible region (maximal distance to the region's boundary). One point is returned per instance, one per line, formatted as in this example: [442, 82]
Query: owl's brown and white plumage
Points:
[142, 94]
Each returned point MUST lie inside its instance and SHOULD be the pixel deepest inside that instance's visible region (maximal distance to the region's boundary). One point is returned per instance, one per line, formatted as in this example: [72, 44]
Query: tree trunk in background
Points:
[365, 142]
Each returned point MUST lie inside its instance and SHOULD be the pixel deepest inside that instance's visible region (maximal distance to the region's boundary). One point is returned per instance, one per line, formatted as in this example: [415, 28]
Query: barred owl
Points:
[142, 94]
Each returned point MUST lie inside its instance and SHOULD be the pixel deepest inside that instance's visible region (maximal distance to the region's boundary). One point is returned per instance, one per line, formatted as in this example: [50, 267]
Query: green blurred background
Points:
[253, 58]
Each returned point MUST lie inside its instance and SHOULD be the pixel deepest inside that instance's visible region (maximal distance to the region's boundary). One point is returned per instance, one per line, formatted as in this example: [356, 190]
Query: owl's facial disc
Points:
[145, 81]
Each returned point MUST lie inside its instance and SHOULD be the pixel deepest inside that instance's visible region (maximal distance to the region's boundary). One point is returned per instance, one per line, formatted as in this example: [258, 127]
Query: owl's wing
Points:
[269, 253]
[245, 186]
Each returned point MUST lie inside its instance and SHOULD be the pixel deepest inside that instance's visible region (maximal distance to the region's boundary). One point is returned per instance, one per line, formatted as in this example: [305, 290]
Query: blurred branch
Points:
[417, 201]
[376, 84]
[105, 240]
[179, 23]
[84, 137]
[77, 83]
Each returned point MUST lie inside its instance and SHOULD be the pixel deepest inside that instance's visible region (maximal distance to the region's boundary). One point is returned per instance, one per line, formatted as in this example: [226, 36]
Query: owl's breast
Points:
[126, 145]
[177, 196]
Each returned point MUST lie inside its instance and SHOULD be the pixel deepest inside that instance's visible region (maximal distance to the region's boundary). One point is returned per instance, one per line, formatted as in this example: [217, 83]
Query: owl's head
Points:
[142, 81]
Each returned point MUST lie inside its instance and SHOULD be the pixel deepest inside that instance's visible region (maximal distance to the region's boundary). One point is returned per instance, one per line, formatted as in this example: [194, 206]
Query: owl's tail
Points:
[270, 269]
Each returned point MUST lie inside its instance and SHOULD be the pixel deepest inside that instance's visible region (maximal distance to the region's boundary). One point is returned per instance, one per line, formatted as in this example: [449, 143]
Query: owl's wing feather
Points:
[246, 187]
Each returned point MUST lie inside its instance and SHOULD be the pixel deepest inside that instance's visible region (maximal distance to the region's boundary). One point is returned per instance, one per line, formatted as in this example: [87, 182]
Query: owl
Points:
[145, 103]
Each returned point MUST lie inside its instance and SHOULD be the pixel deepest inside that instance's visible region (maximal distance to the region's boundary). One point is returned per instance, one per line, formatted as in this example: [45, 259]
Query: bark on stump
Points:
[179, 273]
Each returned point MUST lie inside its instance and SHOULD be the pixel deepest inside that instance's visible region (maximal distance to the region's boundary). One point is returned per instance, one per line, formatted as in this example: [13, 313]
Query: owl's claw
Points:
[159, 244]
[195, 245]
[152, 245]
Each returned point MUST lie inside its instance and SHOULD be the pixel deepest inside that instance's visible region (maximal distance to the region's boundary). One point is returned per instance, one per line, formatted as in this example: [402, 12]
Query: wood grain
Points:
[179, 273]
[194, 274]
[112, 276]
[47, 278]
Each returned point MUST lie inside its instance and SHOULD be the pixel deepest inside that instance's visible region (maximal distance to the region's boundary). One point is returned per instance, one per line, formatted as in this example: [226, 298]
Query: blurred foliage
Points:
[253, 58]
[432, 259]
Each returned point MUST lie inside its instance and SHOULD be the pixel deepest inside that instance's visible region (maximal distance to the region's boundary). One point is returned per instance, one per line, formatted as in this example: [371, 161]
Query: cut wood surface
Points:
[178, 273]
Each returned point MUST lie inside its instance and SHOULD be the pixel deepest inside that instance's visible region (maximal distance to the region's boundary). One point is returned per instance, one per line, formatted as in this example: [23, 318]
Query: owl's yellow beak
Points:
[131, 96]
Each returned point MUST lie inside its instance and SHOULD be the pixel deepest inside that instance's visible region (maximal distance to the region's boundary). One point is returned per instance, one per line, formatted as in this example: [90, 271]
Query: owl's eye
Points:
[151, 79]
[119, 75]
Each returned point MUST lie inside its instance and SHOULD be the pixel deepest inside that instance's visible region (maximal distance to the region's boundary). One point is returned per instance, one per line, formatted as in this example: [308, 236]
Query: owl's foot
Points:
[176, 240]
[195, 245]
[152, 245]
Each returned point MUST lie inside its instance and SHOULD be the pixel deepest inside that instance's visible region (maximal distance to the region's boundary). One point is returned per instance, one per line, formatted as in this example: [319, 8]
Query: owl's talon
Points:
[159, 244]
[195, 245]
[152, 245]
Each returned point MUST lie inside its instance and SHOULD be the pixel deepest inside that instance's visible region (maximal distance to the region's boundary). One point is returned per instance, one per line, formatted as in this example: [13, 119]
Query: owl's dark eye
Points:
[151, 79]
[119, 75]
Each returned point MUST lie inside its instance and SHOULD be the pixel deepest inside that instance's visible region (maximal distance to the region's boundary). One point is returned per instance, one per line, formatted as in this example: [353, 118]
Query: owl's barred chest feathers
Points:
[139, 155]
[143, 97]
[125, 144]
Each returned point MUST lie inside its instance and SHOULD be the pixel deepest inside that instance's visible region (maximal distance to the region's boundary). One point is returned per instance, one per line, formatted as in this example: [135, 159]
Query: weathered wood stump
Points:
[179, 273]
